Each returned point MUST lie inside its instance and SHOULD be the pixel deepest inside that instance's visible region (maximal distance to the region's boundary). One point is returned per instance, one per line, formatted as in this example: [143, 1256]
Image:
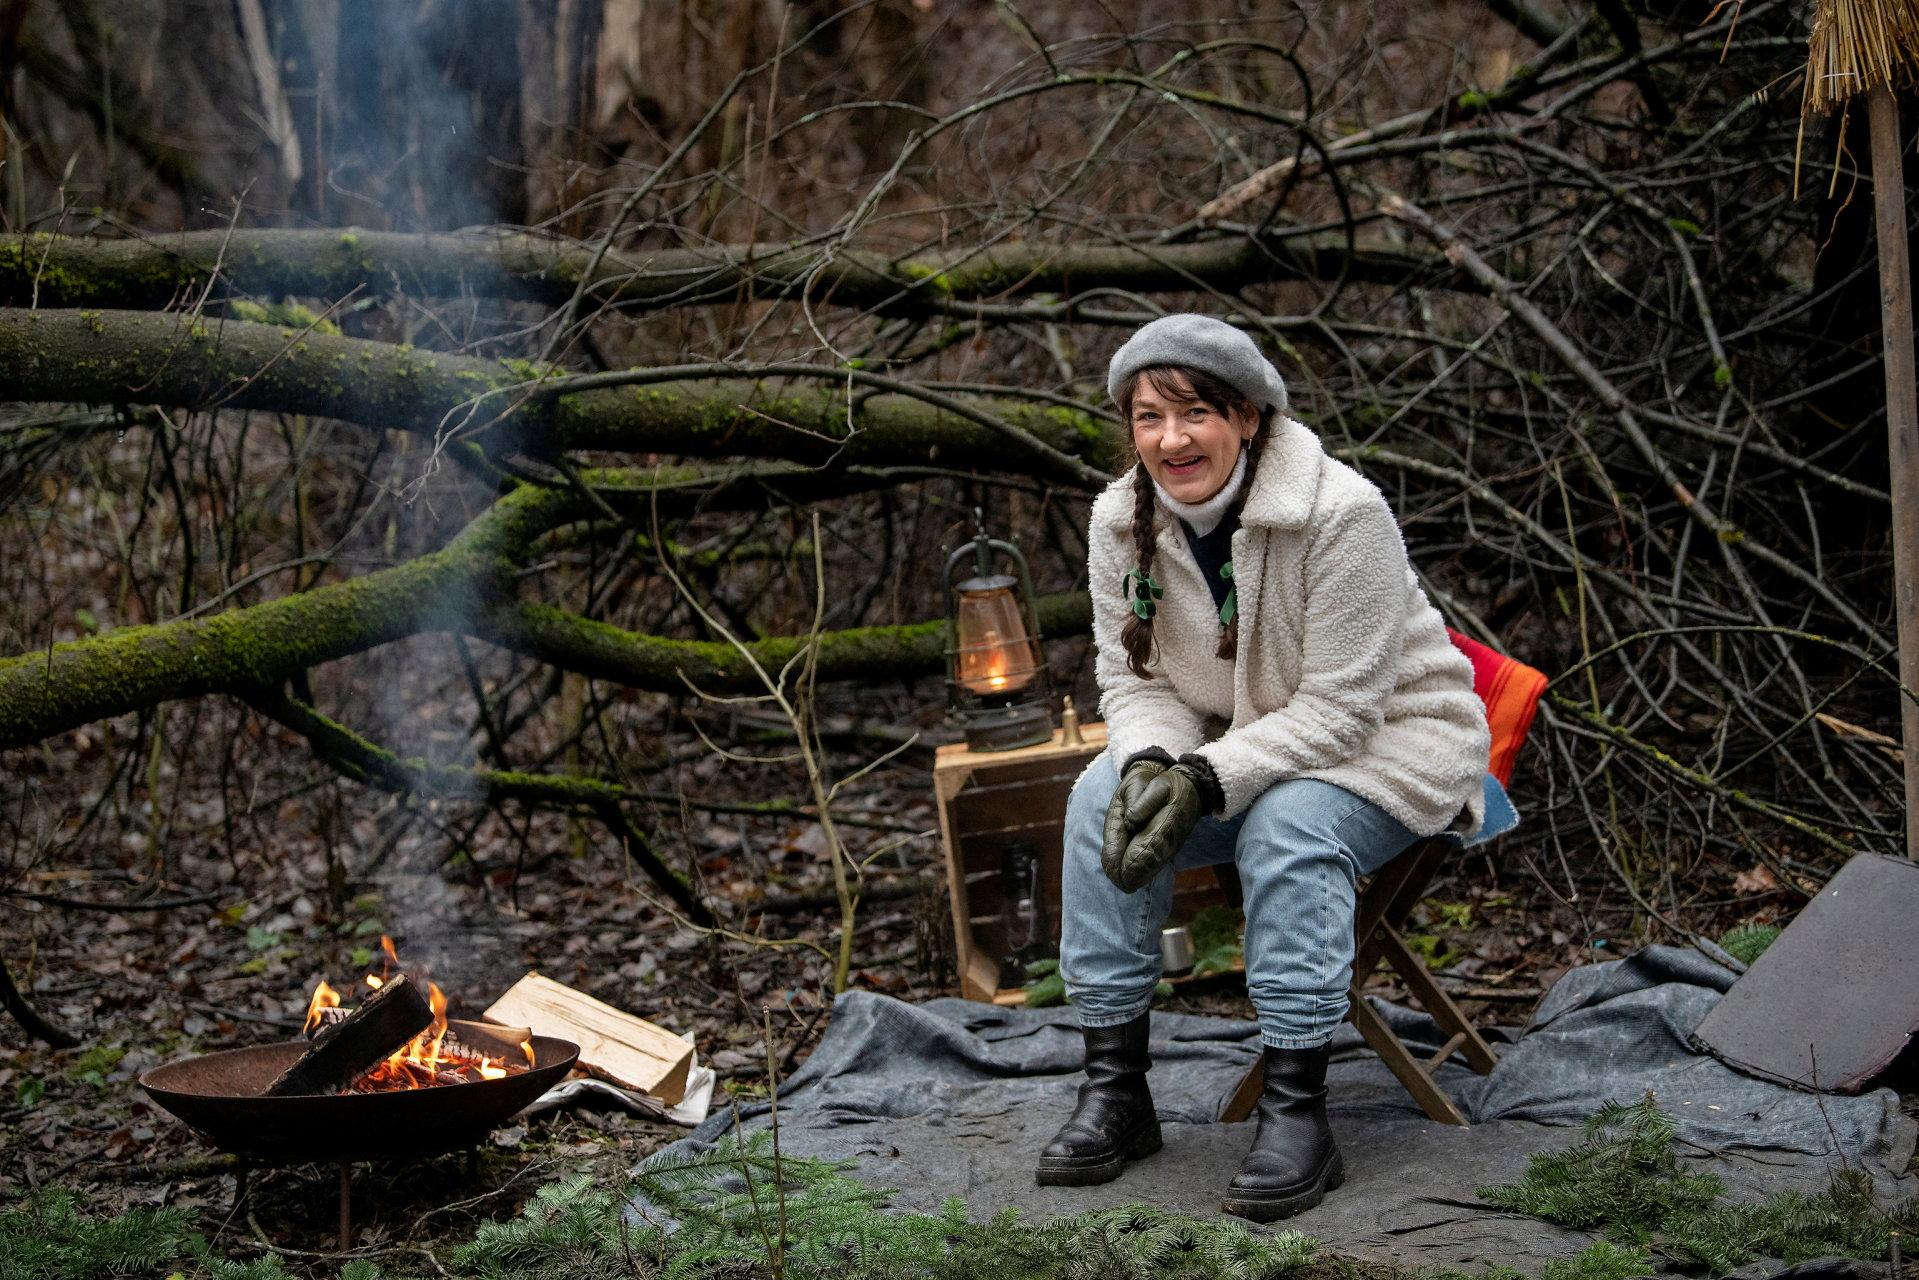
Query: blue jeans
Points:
[1299, 847]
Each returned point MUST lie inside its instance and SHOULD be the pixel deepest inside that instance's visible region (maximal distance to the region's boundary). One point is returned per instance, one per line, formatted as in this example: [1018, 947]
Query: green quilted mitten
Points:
[1166, 813]
[1119, 829]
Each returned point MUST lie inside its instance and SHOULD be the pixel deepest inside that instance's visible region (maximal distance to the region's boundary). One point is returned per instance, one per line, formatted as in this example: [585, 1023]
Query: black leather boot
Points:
[1114, 1121]
[1294, 1161]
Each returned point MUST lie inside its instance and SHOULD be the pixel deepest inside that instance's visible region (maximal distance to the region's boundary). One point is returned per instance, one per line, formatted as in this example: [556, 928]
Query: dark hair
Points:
[1183, 385]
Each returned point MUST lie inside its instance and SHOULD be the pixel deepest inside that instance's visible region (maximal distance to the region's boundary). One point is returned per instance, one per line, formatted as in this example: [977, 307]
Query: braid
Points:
[1137, 637]
[1229, 635]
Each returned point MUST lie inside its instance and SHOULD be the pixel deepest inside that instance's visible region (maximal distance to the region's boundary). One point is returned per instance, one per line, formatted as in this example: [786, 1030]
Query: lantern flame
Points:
[993, 653]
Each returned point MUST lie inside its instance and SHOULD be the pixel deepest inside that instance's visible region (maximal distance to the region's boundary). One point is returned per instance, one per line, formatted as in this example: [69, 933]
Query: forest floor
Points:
[234, 965]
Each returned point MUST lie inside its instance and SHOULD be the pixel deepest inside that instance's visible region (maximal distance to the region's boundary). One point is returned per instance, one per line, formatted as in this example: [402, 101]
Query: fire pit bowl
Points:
[219, 1095]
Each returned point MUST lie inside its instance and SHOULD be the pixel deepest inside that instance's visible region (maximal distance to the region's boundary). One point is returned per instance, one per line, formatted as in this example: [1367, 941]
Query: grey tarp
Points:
[954, 1098]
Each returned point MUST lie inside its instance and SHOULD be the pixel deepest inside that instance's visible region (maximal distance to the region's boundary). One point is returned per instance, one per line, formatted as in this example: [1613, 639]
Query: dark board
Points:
[1835, 998]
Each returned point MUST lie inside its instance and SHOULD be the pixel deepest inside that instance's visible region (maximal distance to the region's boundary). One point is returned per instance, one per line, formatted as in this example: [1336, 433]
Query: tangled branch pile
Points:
[1566, 310]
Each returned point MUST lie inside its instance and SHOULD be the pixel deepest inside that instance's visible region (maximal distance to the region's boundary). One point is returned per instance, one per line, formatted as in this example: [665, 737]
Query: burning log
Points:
[342, 1050]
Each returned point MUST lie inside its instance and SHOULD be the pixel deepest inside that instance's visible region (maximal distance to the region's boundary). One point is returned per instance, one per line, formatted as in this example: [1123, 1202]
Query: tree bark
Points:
[185, 361]
[70, 271]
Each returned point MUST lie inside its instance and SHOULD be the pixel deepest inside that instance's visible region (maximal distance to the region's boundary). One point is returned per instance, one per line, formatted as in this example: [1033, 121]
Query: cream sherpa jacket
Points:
[1344, 673]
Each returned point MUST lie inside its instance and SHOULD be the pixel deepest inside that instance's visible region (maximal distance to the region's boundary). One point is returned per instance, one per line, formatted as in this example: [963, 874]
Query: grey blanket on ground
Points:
[955, 1098]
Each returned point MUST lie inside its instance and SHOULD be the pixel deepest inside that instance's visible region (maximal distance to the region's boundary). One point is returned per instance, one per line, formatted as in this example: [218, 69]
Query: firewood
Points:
[631, 1052]
[384, 1021]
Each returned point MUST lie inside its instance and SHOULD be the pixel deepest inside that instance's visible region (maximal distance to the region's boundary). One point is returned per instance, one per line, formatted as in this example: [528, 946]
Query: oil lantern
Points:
[995, 674]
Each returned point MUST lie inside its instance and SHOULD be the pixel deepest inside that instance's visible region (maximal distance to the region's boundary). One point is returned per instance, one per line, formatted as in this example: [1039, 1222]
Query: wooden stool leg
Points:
[1434, 1000]
[1245, 1094]
[1411, 1071]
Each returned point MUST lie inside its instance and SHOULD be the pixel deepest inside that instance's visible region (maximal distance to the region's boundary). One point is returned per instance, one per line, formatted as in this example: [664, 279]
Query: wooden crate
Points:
[988, 798]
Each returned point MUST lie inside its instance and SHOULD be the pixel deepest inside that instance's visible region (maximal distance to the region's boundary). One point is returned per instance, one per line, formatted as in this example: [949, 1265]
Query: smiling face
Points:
[1187, 442]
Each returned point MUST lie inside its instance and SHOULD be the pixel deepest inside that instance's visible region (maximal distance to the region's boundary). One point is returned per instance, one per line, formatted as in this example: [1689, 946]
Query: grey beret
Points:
[1204, 343]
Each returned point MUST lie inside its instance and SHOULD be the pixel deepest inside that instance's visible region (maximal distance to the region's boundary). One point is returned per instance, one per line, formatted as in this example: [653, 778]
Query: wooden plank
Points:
[957, 752]
[956, 771]
[631, 1052]
[948, 777]
[979, 976]
[1376, 899]
[1411, 1071]
[1390, 898]
[1008, 811]
[1902, 417]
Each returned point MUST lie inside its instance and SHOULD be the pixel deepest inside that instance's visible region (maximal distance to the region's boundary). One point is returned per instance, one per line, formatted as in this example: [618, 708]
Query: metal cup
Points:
[1176, 951]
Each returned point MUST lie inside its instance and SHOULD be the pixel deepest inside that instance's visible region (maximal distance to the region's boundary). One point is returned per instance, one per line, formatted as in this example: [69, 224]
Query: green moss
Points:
[1474, 100]
[93, 1066]
[1081, 423]
[526, 370]
[939, 281]
[286, 313]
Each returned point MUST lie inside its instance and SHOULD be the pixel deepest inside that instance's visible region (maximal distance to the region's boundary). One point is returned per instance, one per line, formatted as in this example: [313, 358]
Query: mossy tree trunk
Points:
[156, 271]
[204, 362]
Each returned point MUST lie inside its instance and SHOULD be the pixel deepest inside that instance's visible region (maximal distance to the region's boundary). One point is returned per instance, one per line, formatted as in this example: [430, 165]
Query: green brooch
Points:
[1229, 610]
[1143, 590]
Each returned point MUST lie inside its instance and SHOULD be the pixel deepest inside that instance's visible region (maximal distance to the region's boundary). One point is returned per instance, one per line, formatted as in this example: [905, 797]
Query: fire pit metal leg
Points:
[346, 1207]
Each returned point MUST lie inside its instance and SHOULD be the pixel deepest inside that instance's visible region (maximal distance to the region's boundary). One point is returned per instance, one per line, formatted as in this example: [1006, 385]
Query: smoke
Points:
[411, 112]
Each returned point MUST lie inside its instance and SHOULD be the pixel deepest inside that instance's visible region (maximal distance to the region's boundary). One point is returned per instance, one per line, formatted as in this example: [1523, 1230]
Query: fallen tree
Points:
[1605, 366]
[168, 270]
[201, 363]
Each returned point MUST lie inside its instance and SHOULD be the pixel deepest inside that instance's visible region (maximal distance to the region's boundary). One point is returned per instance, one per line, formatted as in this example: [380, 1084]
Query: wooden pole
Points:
[1902, 418]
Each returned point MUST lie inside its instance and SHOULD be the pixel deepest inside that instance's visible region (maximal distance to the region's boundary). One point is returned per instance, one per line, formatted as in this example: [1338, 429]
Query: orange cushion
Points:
[1510, 689]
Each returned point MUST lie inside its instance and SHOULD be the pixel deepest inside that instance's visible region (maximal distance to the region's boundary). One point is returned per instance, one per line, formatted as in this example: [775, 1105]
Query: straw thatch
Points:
[1857, 44]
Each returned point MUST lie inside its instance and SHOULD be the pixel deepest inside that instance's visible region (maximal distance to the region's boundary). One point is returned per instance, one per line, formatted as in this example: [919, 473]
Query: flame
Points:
[436, 1001]
[993, 661]
[324, 997]
[434, 1057]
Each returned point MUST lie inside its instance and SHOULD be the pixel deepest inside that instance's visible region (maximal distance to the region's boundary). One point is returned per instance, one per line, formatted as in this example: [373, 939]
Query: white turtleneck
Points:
[1204, 517]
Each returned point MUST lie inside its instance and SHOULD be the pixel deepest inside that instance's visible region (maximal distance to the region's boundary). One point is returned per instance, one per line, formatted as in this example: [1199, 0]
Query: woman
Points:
[1278, 692]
